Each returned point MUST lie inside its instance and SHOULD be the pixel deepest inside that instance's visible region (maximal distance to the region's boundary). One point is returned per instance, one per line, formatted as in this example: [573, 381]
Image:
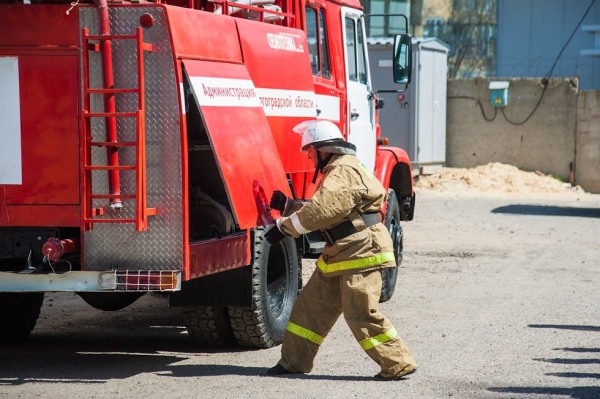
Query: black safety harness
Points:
[346, 228]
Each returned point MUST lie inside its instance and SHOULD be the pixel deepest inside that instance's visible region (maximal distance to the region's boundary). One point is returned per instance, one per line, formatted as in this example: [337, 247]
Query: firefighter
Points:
[346, 208]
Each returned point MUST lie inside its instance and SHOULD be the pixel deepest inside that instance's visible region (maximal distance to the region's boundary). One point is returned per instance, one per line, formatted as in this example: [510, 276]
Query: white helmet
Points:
[323, 135]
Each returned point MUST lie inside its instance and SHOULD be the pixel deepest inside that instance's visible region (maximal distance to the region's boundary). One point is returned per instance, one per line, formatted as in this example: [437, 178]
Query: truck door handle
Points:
[354, 115]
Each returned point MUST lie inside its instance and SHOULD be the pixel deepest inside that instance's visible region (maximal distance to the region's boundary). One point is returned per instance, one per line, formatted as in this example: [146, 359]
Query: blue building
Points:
[531, 34]
[505, 38]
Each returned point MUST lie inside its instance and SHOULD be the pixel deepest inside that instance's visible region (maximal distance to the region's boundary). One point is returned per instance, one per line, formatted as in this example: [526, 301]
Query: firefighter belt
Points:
[319, 306]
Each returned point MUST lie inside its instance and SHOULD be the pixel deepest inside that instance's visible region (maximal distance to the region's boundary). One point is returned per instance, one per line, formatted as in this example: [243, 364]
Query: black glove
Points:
[273, 235]
[278, 201]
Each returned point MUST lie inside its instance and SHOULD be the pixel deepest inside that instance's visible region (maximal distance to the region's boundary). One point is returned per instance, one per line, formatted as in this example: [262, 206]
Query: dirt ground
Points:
[497, 298]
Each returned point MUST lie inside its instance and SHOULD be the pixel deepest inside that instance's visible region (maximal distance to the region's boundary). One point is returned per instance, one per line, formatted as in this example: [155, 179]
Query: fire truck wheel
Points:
[110, 301]
[389, 275]
[208, 326]
[274, 291]
[18, 314]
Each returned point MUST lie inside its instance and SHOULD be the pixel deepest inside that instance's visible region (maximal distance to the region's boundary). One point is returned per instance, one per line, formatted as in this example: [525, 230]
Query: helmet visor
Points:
[307, 130]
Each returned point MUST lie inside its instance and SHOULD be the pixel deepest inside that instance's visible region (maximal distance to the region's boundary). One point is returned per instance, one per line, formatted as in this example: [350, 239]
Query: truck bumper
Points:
[92, 281]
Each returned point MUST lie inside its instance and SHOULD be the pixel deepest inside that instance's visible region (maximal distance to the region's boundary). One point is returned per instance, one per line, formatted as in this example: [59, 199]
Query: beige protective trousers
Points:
[319, 306]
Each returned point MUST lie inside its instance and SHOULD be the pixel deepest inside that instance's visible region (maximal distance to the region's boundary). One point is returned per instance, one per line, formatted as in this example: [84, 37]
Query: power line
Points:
[478, 101]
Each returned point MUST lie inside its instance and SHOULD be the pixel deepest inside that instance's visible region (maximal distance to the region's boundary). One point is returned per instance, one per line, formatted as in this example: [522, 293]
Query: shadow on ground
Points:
[542, 210]
[547, 392]
[103, 361]
[581, 350]
[98, 359]
[566, 327]
[576, 392]
[575, 375]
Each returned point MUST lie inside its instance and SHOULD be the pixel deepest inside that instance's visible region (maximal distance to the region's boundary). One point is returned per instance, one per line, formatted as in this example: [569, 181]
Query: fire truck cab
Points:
[141, 142]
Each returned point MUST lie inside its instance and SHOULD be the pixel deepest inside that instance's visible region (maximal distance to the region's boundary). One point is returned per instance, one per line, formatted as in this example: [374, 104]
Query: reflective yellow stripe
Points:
[370, 343]
[355, 263]
[304, 333]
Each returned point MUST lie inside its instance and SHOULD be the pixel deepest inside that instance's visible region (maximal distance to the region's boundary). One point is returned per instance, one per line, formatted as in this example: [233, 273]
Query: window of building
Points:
[390, 25]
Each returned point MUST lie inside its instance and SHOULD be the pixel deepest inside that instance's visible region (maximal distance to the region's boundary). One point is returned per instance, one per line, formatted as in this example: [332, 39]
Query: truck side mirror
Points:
[402, 58]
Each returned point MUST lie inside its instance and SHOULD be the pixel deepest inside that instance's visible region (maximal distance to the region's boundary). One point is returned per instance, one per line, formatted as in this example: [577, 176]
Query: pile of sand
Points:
[493, 177]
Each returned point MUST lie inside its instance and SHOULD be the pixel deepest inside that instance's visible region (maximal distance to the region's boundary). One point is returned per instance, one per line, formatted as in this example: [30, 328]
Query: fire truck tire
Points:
[208, 326]
[110, 301]
[18, 314]
[389, 275]
[274, 291]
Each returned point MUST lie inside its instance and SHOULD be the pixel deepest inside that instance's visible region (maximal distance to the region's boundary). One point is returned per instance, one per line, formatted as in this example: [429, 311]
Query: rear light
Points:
[138, 280]
[383, 141]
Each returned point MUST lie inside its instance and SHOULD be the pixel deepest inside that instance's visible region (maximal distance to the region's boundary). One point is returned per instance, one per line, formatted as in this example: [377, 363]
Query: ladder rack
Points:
[90, 214]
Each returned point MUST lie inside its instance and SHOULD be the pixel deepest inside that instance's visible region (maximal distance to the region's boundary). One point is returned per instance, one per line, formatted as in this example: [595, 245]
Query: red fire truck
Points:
[140, 143]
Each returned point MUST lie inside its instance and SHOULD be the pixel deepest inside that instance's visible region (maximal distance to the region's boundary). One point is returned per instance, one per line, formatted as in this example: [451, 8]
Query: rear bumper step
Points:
[92, 281]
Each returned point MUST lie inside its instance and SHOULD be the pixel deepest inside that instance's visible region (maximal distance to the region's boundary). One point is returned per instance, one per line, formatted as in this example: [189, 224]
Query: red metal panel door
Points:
[49, 93]
[240, 137]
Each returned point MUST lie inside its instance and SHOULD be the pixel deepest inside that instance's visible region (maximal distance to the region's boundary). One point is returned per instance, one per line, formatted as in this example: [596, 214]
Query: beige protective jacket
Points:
[346, 191]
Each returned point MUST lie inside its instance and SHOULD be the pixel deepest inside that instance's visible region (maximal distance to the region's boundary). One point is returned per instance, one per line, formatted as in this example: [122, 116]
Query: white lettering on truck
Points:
[225, 92]
[284, 42]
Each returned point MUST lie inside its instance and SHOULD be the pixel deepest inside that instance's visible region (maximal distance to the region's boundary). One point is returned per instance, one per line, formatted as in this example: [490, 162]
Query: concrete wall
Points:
[546, 142]
[565, 128]
[587, 170]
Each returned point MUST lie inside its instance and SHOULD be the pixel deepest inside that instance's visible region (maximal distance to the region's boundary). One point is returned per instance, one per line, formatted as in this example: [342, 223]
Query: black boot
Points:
[277, 370]
[379, 377]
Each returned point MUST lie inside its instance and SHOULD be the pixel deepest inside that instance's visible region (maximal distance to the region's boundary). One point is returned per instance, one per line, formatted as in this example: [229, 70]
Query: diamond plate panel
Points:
[117, 245]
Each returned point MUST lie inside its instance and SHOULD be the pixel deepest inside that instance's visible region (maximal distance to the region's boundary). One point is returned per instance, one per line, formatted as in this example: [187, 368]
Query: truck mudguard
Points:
[394, 171]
